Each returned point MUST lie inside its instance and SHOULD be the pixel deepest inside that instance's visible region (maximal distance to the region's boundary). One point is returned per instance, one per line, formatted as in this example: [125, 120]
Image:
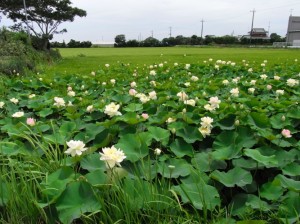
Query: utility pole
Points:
[269, 29]
[25, 8]
[152, 33]
[291, 11]
[170, 31]
[253, 11]
[202, 21]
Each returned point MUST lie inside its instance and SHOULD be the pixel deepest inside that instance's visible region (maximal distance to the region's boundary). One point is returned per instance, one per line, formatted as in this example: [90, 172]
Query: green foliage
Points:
[47, 15]
[17, 54]
[243, 168]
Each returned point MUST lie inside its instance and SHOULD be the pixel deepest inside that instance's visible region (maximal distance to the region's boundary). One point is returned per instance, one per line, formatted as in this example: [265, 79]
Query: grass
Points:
[85, 60]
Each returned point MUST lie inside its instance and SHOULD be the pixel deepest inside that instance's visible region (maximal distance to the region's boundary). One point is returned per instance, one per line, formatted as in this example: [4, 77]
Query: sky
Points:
[139, 19]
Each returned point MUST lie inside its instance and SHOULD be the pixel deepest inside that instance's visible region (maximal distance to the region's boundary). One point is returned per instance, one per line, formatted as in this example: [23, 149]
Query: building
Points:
[293, 31]
[257, 33]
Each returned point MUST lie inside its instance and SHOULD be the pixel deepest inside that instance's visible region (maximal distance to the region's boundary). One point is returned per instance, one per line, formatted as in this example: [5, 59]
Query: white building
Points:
[293, 32]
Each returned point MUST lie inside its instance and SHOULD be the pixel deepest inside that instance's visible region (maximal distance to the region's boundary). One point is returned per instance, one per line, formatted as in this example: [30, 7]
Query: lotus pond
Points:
[214, 142]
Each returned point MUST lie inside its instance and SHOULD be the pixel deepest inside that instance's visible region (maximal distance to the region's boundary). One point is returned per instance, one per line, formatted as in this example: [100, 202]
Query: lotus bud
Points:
[237, 123]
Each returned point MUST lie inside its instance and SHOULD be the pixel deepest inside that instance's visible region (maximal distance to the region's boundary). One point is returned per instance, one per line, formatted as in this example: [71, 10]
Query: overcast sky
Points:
[139, 18]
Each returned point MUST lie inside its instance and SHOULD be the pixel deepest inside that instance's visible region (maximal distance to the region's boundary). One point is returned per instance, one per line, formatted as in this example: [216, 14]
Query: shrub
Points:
[18, 53]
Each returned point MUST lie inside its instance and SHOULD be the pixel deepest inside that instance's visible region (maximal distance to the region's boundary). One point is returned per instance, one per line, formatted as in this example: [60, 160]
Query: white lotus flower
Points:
[205, 131]
[235, 92]
[157, 151]
[152, 95]
[225, 82]
[194, 78]
[152, 72]
[59, 102]
[112, 156]
[18, 114]
[14, 100]
[292, 82]
[251, 90]
[182, 96]
[214, 102]
[263, 76]
[112, 109]
[190, 102]
[206, 122]
[279, 92]
[76, 147]
[90, 108]
[71, 93]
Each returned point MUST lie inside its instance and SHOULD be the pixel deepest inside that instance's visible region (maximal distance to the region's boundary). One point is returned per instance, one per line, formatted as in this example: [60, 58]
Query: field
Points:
[158, 135]
[85, 60]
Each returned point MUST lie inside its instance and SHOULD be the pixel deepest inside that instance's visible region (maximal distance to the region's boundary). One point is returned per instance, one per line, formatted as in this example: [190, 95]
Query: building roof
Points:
[259, 30]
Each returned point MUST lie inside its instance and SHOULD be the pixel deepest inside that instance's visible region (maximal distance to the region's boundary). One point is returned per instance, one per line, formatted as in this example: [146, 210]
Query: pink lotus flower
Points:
[30, 121]
[145, 116]
[286, 133]
[132, 92]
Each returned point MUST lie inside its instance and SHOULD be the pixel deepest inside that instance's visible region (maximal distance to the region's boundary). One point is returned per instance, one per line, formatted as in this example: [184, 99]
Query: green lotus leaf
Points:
[248, 164]
[294, 113]
[289, 209]
[90, 132]
[180, 148]
[129, 118]
[133, 107]
[236, 176]
[56, 182]
[204, 162]
[258, 120]
[228, 144]
[67, 128]
[278, 123]
[288, 183]
[268, 161]
[272, 190]
[173, 168]
[55, 138]
[195, 177]
[124, 98]
[45, 112]
[227, 123]
[160, 134]
[292, 169]
[282, 143]
[190, 134]
[97, 177]
[92, 162]
[201, 196]
[77, 199]
[134, 146]
[241, 203]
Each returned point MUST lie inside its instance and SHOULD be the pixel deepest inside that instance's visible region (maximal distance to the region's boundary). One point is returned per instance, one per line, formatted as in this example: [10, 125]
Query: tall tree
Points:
[42, 17]
[120, 40]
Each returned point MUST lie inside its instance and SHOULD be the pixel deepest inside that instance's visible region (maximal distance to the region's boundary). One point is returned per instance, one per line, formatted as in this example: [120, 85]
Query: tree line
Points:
[120, 41]
[71, 44]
